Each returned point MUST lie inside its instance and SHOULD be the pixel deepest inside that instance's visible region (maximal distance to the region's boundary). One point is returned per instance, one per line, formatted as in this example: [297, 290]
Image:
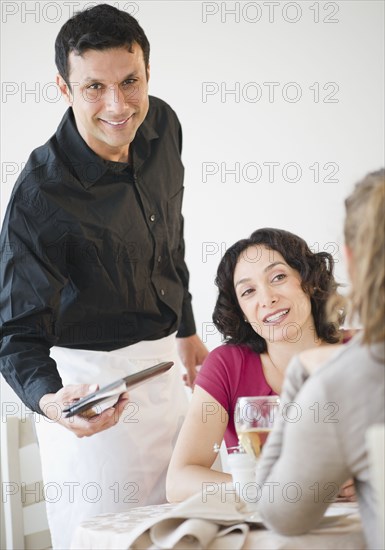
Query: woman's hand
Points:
[347, 492]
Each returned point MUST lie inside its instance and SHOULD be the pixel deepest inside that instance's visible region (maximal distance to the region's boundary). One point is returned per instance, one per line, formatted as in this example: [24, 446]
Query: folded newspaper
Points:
[209, 521]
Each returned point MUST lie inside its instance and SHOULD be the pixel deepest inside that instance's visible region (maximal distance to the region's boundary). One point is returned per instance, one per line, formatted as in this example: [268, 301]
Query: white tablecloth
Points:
[111, 531]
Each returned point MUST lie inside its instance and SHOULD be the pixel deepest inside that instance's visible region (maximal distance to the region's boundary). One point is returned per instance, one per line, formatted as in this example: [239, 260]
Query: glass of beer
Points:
[254, 419]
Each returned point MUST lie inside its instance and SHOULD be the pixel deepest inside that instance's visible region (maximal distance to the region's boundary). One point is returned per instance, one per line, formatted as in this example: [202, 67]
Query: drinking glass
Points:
[254, 419]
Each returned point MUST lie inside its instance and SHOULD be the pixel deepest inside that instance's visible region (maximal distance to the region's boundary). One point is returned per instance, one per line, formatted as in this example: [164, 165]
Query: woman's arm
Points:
[295, 377]
[300, 482]
[189, 471]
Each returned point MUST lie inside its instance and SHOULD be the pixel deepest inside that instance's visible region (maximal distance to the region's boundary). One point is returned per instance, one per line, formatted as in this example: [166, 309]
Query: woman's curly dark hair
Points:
[315, 270]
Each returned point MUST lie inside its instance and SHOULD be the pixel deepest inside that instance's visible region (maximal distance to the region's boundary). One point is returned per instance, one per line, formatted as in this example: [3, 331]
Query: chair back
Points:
[375, 439]
[25, 518]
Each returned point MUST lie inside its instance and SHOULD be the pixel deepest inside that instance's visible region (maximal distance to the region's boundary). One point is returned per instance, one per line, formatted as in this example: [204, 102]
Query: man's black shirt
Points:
[92, 252]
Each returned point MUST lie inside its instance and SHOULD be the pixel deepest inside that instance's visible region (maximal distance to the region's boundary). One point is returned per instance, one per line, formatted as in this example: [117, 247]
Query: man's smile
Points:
[116, 123]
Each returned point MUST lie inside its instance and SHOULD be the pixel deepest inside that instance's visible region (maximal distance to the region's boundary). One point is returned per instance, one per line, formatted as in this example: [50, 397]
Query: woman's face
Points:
[270, 295]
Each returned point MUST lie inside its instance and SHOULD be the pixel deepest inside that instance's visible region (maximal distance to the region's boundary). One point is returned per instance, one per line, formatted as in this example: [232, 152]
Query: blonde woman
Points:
[336, 393]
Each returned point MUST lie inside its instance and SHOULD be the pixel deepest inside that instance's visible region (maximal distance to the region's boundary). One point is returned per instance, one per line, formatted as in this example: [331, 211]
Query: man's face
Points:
[109, 98]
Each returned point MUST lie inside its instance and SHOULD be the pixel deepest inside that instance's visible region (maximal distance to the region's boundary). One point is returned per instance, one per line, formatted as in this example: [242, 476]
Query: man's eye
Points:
[95, 86]
[128, 82]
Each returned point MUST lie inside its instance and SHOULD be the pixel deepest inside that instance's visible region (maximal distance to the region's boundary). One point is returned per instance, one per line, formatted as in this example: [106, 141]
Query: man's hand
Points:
[192, 352]
[52, 404]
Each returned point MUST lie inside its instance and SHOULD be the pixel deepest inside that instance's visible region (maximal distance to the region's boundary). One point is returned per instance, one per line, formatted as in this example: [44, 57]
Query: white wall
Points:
[323, 108]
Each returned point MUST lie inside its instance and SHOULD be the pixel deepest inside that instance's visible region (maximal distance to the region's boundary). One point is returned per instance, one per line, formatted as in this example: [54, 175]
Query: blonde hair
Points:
[365, 237]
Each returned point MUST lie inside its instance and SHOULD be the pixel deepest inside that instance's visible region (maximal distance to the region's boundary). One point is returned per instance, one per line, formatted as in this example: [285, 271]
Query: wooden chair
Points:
[25, 519]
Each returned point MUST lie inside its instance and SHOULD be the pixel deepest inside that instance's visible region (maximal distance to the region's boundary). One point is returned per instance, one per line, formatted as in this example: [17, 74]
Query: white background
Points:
[325, 110]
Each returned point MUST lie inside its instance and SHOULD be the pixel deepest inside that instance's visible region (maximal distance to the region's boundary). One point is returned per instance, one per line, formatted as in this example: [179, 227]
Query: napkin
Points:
[214, 521]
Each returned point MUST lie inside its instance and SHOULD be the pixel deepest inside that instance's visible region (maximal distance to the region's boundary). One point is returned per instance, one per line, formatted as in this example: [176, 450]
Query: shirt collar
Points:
[140, 148]
[88, 166]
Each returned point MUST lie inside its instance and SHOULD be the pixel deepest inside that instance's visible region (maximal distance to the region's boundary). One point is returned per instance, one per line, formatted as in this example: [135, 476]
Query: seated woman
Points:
[271, 305]
[342, 398]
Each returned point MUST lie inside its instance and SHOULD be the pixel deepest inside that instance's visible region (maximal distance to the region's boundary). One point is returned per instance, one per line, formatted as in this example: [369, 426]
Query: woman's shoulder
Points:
[230, 361]
[233, 352]
[313, 359]
[231, 370]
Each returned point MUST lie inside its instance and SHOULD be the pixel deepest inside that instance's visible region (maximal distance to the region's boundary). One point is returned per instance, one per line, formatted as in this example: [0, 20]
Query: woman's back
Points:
[335, 407]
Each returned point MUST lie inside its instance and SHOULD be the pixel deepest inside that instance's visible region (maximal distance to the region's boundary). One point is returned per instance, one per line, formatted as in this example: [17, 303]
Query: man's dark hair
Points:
[98, 28]
[315, 270]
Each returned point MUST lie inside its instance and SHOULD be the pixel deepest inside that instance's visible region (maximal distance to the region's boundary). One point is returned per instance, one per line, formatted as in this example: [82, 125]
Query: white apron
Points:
[124, 466]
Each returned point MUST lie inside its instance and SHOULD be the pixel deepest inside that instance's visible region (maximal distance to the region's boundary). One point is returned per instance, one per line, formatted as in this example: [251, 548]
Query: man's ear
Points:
[148, 72]
[64, 88]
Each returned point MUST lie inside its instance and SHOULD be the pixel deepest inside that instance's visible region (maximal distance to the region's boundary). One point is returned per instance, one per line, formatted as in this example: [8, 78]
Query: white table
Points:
[110, 532]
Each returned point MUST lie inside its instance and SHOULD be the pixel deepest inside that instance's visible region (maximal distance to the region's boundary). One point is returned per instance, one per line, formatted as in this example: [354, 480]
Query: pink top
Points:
[229, 372]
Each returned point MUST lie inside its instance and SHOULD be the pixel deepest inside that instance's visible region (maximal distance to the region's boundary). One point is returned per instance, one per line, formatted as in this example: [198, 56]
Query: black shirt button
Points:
[159, 259]
[152, 217]
[162, 292]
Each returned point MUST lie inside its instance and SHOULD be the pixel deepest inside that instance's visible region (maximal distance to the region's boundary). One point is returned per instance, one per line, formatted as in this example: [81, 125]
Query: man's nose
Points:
[114, 99]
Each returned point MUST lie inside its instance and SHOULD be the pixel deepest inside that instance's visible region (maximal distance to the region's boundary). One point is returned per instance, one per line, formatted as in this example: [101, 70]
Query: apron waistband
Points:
[148, 348]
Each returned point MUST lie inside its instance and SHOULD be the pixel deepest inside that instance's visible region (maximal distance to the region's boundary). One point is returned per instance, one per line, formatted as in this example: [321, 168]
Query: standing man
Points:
[93, 279]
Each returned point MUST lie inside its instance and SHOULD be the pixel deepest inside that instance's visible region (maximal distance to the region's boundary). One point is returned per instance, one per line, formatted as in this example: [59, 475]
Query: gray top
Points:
[318, 441]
